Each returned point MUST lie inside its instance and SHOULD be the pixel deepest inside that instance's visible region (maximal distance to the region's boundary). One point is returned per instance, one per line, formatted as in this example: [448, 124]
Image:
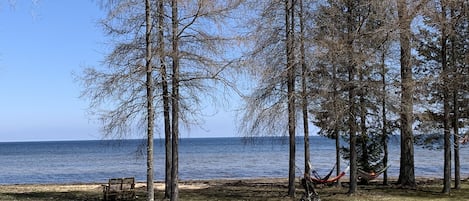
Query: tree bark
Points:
[166, 100]
[150, 109]
[304, 76]
[407, 168]
[289, 19]
[384, 134]
[175, 103]
[364, 158]
[446, 118]
[352, 124]
[456, 138]
[336, 120]
[455, 119]
[353, 131]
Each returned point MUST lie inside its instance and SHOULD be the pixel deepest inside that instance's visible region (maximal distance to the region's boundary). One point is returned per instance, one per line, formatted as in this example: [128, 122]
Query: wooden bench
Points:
[119, 189]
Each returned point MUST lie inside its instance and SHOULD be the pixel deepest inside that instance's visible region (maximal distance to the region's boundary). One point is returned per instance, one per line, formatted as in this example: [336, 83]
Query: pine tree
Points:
[440, 52]
[348, 62]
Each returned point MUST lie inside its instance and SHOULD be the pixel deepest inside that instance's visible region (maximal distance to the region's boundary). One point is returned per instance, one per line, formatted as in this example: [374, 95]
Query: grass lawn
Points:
[224, 190]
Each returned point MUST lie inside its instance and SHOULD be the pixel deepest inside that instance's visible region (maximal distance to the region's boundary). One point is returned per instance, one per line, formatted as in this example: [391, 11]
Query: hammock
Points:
[365, 176]
[327, 180]
[318, 177]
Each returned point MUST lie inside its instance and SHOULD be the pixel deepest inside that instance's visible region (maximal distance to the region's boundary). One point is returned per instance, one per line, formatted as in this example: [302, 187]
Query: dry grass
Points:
[224, 190]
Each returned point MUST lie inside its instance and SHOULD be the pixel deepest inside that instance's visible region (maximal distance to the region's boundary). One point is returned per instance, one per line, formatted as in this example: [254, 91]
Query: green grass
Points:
[248, 190]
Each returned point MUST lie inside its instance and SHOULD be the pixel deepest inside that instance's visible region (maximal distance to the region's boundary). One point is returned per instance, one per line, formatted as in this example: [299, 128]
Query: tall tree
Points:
[150, 109]
[271, 107]
[349, 59]
[446, 109]
[384, 134]
[440, 54]
[121, 95]
[304, 92]
[175, 102]
[199, 57]
[118, 93]
[166, 97]
[290, 68]
[458, 36]
[351, 69]
[455, 97]
[459, 9]
[406, 171]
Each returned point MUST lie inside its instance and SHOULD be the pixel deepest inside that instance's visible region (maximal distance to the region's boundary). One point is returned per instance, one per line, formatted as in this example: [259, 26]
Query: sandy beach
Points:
[229, 189]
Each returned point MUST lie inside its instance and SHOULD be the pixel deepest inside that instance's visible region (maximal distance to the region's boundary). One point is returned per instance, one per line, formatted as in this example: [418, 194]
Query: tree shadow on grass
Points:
[72, 195]
[423, 191]
[238, 191]
[39, 196]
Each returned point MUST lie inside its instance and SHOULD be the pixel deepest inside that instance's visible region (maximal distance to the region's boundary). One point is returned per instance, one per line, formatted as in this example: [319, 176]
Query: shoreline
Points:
[186, 184]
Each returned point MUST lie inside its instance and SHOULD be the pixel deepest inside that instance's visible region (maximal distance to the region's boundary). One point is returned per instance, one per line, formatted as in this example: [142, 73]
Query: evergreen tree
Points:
[349, 38]
[440, 63]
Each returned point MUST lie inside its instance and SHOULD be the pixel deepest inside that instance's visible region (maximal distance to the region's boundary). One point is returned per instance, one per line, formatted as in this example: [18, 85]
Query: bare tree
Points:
[290, 68]
[459, 24]
[199, 57]
[166, 97]
[150, 109]
[406, 173]
[446, 109]
[440, 64]
[175, 102]
[271, 107]
[122, 95]
[304, 92]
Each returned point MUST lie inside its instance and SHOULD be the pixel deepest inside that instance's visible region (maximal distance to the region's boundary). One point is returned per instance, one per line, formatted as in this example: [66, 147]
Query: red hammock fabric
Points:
[329, 180]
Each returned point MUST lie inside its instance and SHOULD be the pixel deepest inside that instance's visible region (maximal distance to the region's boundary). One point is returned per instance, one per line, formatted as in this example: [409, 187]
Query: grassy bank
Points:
[224, 190]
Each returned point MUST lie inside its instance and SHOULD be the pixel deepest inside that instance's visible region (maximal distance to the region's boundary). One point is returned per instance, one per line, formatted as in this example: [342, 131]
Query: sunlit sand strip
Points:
[25, 188]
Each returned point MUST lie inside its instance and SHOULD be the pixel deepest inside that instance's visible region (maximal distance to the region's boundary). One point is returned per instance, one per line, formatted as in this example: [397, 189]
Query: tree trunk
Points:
[457, 164]
[455, 119]
[384, 134]
[150, 109]
[407, 168]
[353, 131]
[351, 101]
[166, 100]
[364, 158]
[289, 5]
[304, 76]
[175, 103]
[336, 120]
[446, 118]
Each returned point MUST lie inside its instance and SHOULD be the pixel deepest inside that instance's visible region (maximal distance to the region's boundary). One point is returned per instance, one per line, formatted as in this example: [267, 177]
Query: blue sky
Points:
[40, 46]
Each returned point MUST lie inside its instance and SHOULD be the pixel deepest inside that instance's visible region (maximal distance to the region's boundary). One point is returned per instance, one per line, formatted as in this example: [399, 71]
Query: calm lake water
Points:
[200, 158]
